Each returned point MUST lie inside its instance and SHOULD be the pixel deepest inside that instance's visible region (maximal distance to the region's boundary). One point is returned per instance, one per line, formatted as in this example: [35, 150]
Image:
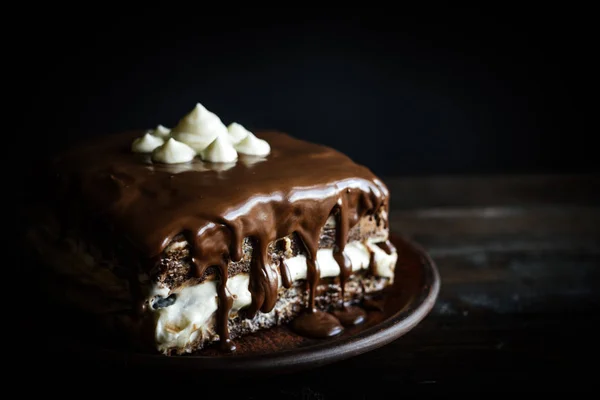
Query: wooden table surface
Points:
[519, 258]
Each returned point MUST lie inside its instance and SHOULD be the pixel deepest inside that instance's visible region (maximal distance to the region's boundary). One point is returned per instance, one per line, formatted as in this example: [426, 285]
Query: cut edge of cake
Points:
[179, 309]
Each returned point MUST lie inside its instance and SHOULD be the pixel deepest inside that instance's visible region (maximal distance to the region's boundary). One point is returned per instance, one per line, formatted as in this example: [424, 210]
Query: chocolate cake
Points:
[194, 236]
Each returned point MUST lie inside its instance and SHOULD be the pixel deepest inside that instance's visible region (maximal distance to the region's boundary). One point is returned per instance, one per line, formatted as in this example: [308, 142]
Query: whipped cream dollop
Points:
[220, 150]
[173, 152]
[200, 133]
[253, 146]
[199, 128]
[146, 144]
[237, 132]
[161, 132]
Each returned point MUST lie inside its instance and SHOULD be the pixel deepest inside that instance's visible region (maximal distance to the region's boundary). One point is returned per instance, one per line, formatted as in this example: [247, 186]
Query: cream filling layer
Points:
[189, 318]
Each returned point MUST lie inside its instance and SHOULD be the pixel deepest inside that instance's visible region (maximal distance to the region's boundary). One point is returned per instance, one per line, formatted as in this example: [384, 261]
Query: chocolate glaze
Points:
[317, 324]
[350, 315]
[293, 190]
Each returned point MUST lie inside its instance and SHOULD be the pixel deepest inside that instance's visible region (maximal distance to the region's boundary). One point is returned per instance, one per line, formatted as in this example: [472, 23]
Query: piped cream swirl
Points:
[199, 128]
[220, 150]
[146, 144]
[161, 132]
[173, 152]
[201, 133]
[253, 146]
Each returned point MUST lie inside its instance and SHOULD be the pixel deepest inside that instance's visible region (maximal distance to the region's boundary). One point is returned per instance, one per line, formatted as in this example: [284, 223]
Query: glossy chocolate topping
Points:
[292, 190]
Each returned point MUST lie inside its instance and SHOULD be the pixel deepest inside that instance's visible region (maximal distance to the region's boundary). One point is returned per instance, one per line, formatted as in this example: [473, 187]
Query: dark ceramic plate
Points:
[408, 301]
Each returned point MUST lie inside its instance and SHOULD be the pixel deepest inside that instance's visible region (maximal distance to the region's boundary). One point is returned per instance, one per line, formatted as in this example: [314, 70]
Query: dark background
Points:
[447, 91]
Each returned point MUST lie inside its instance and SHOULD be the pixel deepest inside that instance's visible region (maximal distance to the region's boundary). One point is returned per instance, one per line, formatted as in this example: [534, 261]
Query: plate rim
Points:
[311, 356]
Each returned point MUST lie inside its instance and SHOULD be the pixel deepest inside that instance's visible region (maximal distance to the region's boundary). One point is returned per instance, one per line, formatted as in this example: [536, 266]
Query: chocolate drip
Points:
[313, 322]
[236, 251]
[294, 189]
[209, 248]
[341, 237]
[313, 273]
[263, 281]
[284, 269]
[225, 303]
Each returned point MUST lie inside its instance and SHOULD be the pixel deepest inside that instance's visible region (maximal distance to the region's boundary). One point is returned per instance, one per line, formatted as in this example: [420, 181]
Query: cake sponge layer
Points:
[186, 321]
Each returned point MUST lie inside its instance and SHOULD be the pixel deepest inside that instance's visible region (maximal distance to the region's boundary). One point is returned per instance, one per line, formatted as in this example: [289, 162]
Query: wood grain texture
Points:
[519, 258]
